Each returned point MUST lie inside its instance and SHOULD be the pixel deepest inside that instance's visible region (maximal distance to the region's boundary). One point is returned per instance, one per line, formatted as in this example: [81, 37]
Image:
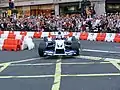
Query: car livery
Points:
[59, 45]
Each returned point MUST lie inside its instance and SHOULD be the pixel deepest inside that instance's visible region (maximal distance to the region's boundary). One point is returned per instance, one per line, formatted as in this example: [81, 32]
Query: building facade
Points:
[112, 6]
[36, 7]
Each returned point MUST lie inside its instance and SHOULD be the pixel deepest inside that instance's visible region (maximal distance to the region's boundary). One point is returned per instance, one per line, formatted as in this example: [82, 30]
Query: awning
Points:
[112, 1]
[72, 12]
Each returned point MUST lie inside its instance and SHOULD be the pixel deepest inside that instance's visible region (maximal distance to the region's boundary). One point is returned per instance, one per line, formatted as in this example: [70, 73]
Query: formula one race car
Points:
[59, 45]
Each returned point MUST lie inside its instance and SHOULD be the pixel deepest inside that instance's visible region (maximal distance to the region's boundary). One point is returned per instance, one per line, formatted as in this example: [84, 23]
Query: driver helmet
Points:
[59, 33]
[59, 37]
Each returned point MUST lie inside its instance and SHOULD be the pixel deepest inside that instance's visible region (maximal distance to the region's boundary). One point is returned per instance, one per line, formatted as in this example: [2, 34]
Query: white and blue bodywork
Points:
[59, 48]
[59, 45]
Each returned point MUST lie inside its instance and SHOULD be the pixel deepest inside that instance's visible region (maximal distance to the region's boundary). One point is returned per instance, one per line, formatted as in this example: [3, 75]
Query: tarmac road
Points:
[97, 68]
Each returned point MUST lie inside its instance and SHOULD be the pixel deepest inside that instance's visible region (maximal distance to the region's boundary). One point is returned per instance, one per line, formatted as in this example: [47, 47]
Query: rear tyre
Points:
[76, 46]
[41, 48]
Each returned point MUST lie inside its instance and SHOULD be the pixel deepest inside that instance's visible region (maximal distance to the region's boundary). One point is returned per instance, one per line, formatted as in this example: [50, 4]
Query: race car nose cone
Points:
[59, 45]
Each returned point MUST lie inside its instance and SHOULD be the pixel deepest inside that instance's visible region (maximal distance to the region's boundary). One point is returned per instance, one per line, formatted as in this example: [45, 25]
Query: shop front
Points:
[34, 10]
[3, 12]
[26, 10]
[20, 11]
[112, 6]
[69, 8]
[47, 9]
[41, 9]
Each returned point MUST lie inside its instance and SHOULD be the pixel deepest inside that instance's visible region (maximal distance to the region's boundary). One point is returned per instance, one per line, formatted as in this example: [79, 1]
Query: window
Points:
[113, 7]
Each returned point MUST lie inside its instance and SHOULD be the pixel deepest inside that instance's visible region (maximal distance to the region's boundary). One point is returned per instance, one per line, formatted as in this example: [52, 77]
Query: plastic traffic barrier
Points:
[117, 38]
[4, 36]
[70, 34]
[12, 36]
[101, 37]
[92, 36]
[19, 37]
[37, 34]
[30, 34]
[11, 45]
[110, 37]
[45, 34]
[29, 43]
[1, 43]
[1, 32]
[11, 32]
[76, 34]
[83, 36]
[24, 33]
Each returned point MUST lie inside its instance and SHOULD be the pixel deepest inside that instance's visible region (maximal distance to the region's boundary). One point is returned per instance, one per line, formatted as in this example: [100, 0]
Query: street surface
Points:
[97, 68]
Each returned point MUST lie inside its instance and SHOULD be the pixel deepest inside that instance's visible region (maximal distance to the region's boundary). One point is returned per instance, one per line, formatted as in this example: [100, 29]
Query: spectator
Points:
[75, 22]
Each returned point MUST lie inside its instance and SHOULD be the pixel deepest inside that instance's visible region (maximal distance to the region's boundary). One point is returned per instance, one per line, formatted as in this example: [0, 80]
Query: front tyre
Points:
[41, 48]
[76, 46]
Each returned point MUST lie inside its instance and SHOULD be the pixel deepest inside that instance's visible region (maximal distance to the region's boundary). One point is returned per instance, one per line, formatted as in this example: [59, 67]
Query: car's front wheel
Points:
[75, 46]
[41, 48]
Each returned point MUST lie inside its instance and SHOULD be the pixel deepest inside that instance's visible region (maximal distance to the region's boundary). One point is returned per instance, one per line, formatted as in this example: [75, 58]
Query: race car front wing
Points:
[54, 53]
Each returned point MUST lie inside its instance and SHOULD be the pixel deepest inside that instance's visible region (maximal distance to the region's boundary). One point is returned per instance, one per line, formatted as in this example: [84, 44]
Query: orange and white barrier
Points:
[1, 43]
[101, 37]
[117, 38]
[76, 34]
[27, 43]
[15, 41]
[108, 37]
[92, 36]
[83, 36]
[20, 40]
[11, 45]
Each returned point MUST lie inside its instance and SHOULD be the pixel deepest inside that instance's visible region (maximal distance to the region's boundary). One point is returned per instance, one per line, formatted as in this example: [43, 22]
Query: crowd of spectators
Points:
[74, 22]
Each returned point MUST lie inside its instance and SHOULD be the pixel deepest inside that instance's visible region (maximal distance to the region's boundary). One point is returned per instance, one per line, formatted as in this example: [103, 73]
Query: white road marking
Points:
[116, 65]
[98, 58]
[81, 57]
[19, 61]
[57, 77]
[67, 75]
[35, 76]
[85, 63]
[47, 64]
[37, 64]
[25, 60]
[101, 51]
[91, 75]
[4, 66]
[88, 57]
